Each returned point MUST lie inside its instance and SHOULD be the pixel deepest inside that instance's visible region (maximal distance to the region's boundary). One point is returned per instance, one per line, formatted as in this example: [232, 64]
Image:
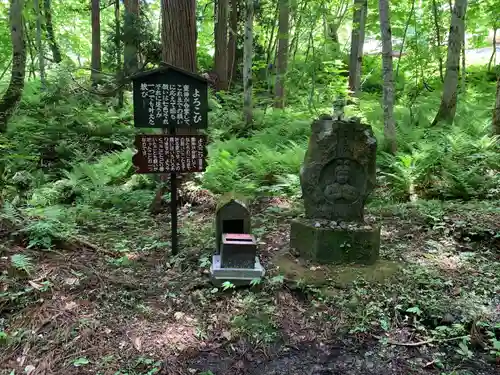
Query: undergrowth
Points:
[68, 148]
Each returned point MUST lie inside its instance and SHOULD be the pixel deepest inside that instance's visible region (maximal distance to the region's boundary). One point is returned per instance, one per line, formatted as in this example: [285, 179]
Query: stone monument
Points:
[336, 178]
[235, 257]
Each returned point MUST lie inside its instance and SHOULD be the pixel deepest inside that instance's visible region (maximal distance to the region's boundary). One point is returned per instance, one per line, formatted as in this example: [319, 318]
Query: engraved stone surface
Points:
[338, 172]
[337, 177]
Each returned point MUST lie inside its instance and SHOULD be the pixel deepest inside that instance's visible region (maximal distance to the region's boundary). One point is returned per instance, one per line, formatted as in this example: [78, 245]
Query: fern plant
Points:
[22, 262]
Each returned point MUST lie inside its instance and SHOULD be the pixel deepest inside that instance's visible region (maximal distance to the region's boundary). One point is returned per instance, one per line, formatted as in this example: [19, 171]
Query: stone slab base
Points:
[354, 243]
[237, 276]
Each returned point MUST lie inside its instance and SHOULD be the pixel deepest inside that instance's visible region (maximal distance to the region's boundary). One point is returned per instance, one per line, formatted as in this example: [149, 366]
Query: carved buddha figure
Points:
[341, 189]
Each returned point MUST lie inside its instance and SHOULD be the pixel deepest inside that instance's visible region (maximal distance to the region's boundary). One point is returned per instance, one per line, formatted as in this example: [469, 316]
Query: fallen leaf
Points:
[137, 343]
[70, 305]
[30, 369]
[35, 285]
[71, 281]
[226, 335]
[178, 315]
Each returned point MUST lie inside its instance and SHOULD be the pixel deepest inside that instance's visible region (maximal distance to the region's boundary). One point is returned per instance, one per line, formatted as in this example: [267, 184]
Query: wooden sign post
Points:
[170, 98]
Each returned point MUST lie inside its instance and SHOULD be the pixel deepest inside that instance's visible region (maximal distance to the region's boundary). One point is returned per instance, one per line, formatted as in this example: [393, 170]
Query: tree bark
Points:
[221, 44]
[49, 27]
[357, 41]
[387, 73]
[496, 111]
[179, 33]
[39, 43]
[96, 43]
[178, 36]
[448, 106]
[14, 92]
[410, 15]
[119, 71]
[232, 61]
[492, 57]
[247, 63]
[131, 37]
[283, 28]
[435, 13]
[31, 48]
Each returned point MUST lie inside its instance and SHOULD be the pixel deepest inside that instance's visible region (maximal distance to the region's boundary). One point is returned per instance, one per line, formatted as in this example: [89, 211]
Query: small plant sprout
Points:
[227, 285]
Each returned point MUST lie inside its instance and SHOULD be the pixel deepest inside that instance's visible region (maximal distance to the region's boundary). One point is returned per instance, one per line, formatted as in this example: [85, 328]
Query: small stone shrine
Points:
[336, 178]
[235, 257]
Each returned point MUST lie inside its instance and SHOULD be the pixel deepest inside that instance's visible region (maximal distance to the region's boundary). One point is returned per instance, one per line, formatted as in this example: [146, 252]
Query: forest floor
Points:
[126, 307]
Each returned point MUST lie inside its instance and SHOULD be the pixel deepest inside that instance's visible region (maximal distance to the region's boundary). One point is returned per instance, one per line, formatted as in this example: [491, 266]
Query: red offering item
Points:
[237, 237]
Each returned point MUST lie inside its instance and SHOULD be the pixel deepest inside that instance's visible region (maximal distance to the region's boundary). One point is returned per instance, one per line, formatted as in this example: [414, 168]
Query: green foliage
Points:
[22, 262]
[255, 320]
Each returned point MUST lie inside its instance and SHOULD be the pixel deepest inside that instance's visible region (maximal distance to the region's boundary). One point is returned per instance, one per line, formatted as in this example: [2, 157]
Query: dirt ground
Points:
[125, 307]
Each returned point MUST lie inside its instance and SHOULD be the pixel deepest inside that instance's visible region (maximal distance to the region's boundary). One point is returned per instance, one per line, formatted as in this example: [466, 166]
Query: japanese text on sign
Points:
[172, 104]
[170, 153]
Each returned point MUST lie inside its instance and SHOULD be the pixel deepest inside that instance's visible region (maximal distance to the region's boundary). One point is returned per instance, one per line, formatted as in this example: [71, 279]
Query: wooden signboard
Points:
[169, 97]
[159, 153]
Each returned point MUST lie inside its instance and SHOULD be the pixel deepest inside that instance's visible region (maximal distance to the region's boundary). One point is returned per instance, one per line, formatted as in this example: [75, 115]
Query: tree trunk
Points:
[247, 63]
[31, 47]
[96, 42]
[119, 71]
[231, 46]
[39, 44]
[387, 72]
[448, 106]
[49, 27]
[410, 15]
[464, 70]
[14, 92]
[436, 17]
[271, 45]
[179, 33]
[494, 47]
[357, 41]
[178, 36]
[282, 52]
[496, 111]
[130, 37]
[221, 44]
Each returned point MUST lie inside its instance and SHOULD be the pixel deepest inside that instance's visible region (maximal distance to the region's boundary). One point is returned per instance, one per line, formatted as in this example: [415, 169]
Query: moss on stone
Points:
[340, 276]
[328, 245]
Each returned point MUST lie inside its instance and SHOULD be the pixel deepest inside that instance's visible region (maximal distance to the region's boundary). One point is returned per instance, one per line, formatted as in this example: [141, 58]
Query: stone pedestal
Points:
[237, 260]
[329, 242]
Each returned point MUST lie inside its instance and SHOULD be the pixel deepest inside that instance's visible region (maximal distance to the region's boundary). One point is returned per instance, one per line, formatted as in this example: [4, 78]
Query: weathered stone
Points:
[337, 276]
[238, 250]
[337, 177]
[339, 169]
[335, 245]
[235, 258]
[232, 216]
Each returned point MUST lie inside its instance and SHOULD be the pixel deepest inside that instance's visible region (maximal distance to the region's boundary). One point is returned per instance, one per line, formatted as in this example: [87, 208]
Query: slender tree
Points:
[387, 73]
[221, 43]
[96, 42]
[179, 33]
[436, 18]
[284, 21]
[39, 43]
[231, 45]
[247, 63]
[130, 37]
[49, 28]
[357, 41]
[119, 71]
[496, 110]
[12, 96]
[448, 106]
